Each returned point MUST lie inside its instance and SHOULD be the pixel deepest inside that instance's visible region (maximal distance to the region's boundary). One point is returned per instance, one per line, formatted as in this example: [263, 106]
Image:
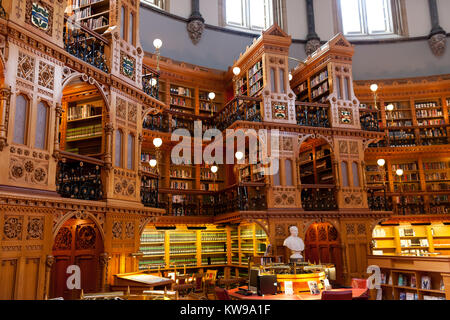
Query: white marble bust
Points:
[295, 243]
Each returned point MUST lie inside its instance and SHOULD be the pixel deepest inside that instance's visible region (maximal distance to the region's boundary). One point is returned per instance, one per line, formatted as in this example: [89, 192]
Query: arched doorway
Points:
[78, 242]
[322, 245]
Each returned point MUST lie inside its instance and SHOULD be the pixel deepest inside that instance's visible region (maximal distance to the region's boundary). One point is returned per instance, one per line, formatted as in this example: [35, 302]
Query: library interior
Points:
[224, 150]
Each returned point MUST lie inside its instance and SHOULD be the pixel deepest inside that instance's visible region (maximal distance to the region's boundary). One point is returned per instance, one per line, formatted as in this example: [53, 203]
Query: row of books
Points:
[96, 23]
[177, 101]
[181, 236]
[256, 77]
[207, 175]
[405, 166]
[436, 176]
[406, 123]
[182, 199]
[402, 135]
[410, 200]
[209, 187]
[435, 122]
[404, 243]
[206, 106]
[82, 3]
[424, 105]
[214, 260]
[396, 115]
[406, 187]
[407, 177]
[213, 248]
[83, 132]
[438, 186]
[429, 113]
[435, 165]
[302, 87]
[256, 87]
[146, 157]
[143, 265]
[179, 185]
[319, 78]
[255, 68]
[83, 111]
[188, 261]
[181, 91]
[214, 236]
[181, 173]
[319, 90]
[152, 237]
[152, 251]
[435, 132]
[177, 249]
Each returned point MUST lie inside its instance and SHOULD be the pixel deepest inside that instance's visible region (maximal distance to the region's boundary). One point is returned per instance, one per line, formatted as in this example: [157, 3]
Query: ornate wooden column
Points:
[48, 268]
[104, 260]
[5, 95]
[437, 38]
[109, 129]
[196, 23]
[312, 39]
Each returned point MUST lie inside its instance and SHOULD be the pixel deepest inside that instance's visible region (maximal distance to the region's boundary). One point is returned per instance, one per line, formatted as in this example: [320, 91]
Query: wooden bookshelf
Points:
[208, 107]
[315, 87]
[182, 98]
[315, 165]
[211, 247]
[92, 14]
[412, 278]
[409, 239]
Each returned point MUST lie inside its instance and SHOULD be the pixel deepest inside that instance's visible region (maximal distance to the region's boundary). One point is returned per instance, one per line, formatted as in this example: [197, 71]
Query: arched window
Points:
[119, 149]
[131, 33]
[20, 119]
[288, 172]
[41, 126]
[123, 22]
[344, 170]
[249, 14]
[130, 151]
[371, 17]
[162, 4]
[355, 173]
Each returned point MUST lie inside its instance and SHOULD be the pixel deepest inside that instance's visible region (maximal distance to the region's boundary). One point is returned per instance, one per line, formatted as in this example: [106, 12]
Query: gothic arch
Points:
[310, 222]
[69, 75]
[375, 223]
[97, 219]
[261, 224]
[143, 223]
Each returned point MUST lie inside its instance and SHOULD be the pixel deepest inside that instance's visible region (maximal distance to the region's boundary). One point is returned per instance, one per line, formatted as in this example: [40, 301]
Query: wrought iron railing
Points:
[378, 200]
[79, 177]
[150, 82]
[312, 114]
[369, 120]
[149, 191]
[241, 108]
[85, 44]
[244, 197]
[319, 197]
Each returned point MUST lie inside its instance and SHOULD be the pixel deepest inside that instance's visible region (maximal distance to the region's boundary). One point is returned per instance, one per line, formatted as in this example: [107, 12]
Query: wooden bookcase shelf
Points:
[93, 14]
[212, 246]
[316, 87]
[315, 165]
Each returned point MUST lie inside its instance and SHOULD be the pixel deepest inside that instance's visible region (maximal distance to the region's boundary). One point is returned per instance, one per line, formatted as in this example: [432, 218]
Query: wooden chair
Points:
[337, 295]
[221, 294]
[198, 279]
[209, 280]
[182, 286]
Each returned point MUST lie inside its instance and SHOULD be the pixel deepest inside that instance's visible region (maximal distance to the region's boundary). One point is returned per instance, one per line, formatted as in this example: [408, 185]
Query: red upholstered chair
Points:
[361, 284]
[221, 294]
[337, 295]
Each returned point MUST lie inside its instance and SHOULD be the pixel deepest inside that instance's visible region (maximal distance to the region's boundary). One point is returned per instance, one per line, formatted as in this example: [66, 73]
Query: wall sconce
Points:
[157, 43]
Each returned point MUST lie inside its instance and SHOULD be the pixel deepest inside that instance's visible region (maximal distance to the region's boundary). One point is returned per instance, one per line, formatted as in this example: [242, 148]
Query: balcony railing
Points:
[150, 82]
[378, 200]
[244, 197]
[85, 44]
[241, 108]
[149, 191]
[319, 197]
[312, 114]
[369, 120]
[79, 177]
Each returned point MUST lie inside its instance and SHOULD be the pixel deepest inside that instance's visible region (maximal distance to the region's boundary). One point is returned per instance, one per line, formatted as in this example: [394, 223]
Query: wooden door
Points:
[322, 245]
[79, 243]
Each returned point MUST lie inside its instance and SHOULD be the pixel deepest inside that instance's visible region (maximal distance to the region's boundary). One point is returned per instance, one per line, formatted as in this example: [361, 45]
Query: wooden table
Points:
[139, 282]
[356, 293]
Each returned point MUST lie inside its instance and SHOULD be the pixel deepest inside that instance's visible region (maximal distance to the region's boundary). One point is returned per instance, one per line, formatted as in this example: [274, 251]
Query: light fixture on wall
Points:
[390, 108]
[374, 89]
[214, 169]
[153, 163]
[381, 169]
[236, 71]
[157, 142]
[239, 155]
[157, 43]
[290, 76]
[381, 162]
[211, 97]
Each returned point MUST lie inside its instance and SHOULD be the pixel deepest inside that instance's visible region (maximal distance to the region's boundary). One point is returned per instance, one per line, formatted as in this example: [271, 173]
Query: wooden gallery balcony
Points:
[239, 197]
[319, 197]
[79, 177]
